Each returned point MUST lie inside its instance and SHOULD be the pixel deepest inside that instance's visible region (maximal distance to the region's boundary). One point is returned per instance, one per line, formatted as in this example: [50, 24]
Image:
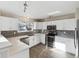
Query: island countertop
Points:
[4, 42]
[17, 45]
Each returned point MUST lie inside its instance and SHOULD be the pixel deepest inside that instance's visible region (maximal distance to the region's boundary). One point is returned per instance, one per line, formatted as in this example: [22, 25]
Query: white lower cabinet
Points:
[70, 45]
[34, 40]
[38, 38]
[31, 41]
[69, 24]
[65, 44]
[42, 38]
[65, 24]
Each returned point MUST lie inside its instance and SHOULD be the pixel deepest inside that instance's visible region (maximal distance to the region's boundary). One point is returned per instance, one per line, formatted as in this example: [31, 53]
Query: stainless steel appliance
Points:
[76, 42]
[50, 36]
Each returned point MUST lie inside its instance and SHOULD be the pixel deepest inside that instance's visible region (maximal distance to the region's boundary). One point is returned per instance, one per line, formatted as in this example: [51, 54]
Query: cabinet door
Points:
[65, 24]
[34, 25]
[59, 39]
[49, 23]
[44, 25]
[54, 22]
[59, 25]
[36, 39]
[60, 43]
[13, 24]
[4, 23]
[70, 45]
[69, 24]
[31, 41]
[39, 25]
[42, 36]
[65, 44]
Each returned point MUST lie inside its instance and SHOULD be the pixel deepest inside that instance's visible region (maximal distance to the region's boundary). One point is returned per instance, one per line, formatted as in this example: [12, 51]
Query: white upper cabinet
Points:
[66, 24]
[39, 25]
[46, 23]
[14, 24]
[69, 24]
[53, 22]
[8, 23]
[69, 45]
[34, 25]
[36, 39]
[31, 41]
[59, 24]
[49, 22]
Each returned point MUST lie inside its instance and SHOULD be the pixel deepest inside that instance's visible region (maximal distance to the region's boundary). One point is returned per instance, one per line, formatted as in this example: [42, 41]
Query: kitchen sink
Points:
[25, 40]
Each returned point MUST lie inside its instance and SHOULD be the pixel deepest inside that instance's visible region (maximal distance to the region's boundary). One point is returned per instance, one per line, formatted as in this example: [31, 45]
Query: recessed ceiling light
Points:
[56, 12]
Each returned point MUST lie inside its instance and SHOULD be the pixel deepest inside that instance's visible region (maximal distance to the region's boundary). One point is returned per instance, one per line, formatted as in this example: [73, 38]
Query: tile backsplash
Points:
[66, 34]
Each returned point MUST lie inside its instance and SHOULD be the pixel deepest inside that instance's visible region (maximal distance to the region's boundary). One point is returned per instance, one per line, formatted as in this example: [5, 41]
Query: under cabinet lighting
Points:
[56, 12]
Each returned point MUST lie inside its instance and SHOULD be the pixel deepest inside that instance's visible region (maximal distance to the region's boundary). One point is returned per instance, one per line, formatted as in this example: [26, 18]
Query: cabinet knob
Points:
[14, 32]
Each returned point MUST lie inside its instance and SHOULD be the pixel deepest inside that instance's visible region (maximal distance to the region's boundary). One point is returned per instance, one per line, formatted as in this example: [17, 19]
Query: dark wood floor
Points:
[40, 51]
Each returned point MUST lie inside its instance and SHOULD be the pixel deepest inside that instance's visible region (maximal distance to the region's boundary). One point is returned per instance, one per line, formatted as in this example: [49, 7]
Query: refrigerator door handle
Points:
[76, 42]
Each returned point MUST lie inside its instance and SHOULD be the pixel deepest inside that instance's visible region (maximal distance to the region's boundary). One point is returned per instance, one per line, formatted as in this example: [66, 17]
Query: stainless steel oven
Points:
[50, 36]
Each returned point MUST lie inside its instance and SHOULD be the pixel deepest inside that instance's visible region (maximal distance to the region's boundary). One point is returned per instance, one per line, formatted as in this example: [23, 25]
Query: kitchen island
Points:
[4, 46]
[4, 42]
[13, 48]
[18, 49]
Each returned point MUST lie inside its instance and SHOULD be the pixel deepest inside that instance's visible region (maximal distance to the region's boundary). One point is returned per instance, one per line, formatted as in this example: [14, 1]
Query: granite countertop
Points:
[4, 43]
[17, 45]
[13, 44]
[9, 34]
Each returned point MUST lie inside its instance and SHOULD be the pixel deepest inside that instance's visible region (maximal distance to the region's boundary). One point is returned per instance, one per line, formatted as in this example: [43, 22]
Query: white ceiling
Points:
[39, 9]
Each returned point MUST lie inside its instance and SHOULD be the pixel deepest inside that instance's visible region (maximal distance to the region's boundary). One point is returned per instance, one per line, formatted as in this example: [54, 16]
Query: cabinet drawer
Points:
[70, 46]
[31, 41]
[60, 39]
